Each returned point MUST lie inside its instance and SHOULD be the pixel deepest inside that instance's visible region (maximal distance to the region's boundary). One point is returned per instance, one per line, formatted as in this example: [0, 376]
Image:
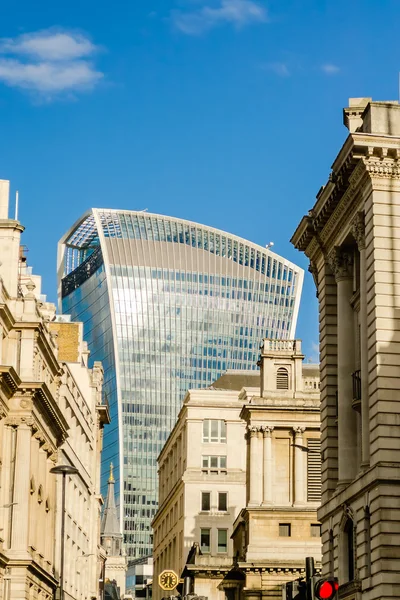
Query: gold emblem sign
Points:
[168, 580]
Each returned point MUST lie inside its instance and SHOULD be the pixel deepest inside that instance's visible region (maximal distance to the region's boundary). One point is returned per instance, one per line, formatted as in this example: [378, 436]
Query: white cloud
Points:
[330, 69]
[49, 63]
[279, 68]
[234, 12]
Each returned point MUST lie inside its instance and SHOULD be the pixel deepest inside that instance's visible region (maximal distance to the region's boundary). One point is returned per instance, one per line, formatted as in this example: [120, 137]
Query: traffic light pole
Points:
[310, 572]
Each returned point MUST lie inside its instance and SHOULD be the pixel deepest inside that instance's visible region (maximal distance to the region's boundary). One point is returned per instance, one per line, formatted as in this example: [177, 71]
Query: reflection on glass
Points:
[167, 305]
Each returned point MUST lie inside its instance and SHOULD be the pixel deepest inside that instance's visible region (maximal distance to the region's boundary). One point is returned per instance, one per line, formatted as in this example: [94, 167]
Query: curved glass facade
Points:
[167, 305]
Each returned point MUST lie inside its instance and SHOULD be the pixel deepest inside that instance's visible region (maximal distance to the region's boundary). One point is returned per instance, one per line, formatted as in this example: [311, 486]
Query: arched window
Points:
[282, 379]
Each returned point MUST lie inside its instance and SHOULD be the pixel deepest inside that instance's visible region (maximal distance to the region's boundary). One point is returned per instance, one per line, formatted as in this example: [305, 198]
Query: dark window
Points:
[205, 500]
[222, 501]
[205, 538]
[285, 529]
[349, 530]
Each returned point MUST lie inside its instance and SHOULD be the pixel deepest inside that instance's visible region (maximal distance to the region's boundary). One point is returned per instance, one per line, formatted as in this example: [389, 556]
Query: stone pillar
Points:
[256, 470]
[19, 537]
[299, 467]
[342, 263]
[268, 467]
[358, 229]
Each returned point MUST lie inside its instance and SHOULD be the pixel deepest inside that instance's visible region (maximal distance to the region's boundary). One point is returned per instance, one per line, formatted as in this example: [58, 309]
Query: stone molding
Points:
[341, 263]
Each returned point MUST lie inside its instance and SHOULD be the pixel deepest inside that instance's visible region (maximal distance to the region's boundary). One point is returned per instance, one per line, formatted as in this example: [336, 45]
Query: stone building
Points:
[240, 480]
[112, 540]
[352, 238]
[278, 526]
[202, 483]
[50, 412]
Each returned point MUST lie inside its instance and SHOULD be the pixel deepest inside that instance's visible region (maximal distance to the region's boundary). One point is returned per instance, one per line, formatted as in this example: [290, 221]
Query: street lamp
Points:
[63, 470]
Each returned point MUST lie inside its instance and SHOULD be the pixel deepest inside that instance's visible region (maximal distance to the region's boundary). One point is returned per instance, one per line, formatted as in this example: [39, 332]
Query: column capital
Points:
[298, 430]
[341, 263]
[267, 430]
[253, 430]
[358, 229]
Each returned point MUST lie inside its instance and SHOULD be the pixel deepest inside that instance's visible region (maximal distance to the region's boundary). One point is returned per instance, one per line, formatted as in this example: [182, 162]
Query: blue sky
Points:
[226, 112]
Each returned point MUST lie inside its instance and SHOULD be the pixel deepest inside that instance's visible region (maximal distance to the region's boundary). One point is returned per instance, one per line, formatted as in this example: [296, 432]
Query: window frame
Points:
[204, 529]
[289, 529]
[202, 494]
[222, 530]
[226, 502]
[209, 469]
[207, 436]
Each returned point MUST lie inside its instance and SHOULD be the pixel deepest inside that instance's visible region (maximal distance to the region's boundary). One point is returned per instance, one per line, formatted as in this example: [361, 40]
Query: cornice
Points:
[6, 316]
[9, 380]
[44, 399]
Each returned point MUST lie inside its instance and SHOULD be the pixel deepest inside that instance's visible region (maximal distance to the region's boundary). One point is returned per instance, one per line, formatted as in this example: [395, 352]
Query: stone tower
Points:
[112, 540]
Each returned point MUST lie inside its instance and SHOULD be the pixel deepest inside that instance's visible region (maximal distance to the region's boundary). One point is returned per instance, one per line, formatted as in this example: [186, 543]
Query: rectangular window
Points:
[205, 540]
[214, 431]
[223, 501]
[315, 530]
[313, 470]
[214, 464]
[285, 530]
[222, 540]
[205, 500]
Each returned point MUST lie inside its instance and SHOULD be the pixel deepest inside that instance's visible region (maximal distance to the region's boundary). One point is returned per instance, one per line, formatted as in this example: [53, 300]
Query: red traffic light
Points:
[325, 589]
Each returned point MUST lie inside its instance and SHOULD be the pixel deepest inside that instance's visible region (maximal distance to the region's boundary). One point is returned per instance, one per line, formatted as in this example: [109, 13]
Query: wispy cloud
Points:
[232, 12]
[314, 354]
[49, 63]
[279, 68]
[330, 69]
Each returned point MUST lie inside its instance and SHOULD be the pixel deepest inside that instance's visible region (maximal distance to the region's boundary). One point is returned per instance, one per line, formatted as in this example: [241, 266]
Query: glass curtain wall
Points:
[167, 305]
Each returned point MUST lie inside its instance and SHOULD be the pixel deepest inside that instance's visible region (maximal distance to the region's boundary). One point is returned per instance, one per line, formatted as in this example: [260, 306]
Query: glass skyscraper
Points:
[167, 305]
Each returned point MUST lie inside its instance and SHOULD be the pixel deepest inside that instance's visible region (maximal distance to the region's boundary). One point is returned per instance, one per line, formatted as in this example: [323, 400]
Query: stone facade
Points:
[272, 486]
[278, 527]
[352, 238]
[190, 494]
[50, 412]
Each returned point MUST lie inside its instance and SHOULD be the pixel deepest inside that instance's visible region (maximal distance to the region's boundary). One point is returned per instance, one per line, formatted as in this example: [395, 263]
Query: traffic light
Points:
[294, 590]
[299, 589]
[324, 589]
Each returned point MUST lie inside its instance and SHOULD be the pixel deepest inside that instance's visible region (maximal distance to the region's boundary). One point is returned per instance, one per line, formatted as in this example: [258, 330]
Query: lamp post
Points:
[63, 470]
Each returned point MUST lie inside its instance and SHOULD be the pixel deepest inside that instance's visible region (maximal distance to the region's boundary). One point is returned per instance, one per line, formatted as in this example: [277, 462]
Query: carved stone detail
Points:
[253, 430]
[267, 430]
[341, 264]
[299, 430]
[358, 230]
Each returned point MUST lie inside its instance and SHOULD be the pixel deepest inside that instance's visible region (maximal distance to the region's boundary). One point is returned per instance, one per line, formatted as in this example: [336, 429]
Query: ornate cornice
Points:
[45, 402]
[9, 380]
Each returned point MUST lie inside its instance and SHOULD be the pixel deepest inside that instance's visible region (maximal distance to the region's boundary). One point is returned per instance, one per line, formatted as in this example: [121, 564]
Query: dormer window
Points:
[282, 379]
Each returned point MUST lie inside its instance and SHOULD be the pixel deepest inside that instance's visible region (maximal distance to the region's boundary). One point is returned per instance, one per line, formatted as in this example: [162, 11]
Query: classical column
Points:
[268, 467]
[256, 471]
[19, 537]
[358, 230]
[299, 466]
[342, 266]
